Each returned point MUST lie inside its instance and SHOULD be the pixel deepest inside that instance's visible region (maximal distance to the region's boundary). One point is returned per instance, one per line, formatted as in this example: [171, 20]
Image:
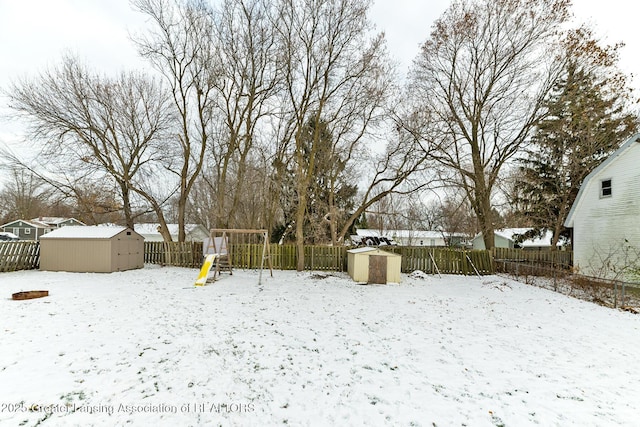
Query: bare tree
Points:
[93, 127]
[397, 171]
[25, 196]
[244, 41]
[180, 48]
[333, 73]
[481, 78]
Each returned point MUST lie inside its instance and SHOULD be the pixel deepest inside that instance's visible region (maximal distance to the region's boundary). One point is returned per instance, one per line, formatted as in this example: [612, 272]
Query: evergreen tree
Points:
[586, 122]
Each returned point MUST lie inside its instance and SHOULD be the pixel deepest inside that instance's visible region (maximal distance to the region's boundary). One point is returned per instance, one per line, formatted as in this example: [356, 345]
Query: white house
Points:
[432, 238]
[605, 217]
[194, 232]
[509, 238]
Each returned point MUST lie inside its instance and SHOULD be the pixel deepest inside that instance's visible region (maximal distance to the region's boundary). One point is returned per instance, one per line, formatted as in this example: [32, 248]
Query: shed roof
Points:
[360, 250]
[371, 249]
[84, 232]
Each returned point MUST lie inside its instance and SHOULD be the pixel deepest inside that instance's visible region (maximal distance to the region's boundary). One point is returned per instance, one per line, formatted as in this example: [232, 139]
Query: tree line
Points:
[290, 115]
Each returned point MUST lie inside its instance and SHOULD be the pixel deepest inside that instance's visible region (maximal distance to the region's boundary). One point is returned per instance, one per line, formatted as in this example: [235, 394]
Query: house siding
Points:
[25, 230]
[606, 230]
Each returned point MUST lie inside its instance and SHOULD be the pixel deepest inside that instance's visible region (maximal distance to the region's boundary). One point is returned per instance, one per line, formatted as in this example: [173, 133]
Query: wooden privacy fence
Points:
[19, 256]
[444, 260]
[334, 258]
[25, 255]
[563, 259]
[178, 254]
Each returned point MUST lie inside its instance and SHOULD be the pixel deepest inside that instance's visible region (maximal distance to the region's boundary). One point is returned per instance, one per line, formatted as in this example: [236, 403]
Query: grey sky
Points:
[35, 33]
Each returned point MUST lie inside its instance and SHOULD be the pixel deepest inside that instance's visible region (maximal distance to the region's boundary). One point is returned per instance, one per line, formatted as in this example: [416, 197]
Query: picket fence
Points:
[16, 256]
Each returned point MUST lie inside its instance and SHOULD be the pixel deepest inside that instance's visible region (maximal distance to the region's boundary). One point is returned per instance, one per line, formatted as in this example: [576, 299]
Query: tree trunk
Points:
[126, 205]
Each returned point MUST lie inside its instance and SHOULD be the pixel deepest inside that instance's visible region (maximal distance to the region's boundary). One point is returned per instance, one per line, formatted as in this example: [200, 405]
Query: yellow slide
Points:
[204, 271]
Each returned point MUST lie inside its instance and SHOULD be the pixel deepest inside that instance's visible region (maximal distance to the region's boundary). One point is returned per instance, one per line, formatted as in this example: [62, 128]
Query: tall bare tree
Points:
[180, 47]
[333, 73]
[244, 40]
[481, 78]
[92, 127]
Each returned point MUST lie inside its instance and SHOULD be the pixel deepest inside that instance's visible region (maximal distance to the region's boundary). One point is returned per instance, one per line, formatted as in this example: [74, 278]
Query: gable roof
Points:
[152, 228]
[606, 163]
[84, 232]
[30, 222]
[55, 220]
[512, 233]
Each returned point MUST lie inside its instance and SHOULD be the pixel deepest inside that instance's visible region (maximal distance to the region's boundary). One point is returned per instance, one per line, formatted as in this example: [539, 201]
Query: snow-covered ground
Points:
[146, 347]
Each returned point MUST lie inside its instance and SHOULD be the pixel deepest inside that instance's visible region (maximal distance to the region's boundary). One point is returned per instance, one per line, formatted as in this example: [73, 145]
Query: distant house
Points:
[367, 237]
[57, 222]
[33, 229]
[511, 238]
[27, 229]
[151, 233]
[426, 238]
[605, 217]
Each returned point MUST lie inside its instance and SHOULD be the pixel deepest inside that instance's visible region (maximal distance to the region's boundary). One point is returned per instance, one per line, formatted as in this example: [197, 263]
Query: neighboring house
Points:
[605, 217]
[509, 238]
[57, 222]
[26, 229]
[194, 232]
[367, 237]
[426, 238]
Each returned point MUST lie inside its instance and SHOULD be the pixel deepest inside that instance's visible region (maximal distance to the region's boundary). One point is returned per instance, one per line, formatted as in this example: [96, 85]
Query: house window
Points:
[16, 231]
[27, 231]
[605, 188]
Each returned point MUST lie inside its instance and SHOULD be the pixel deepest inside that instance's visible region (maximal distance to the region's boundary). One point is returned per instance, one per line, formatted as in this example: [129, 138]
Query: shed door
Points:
[378, 269]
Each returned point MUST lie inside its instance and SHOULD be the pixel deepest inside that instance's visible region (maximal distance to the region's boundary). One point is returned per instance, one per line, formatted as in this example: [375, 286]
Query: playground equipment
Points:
[206, 268]
[219, 247]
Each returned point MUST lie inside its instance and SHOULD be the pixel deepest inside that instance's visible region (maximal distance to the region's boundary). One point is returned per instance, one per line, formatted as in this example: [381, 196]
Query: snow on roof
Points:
[371, 249]
[54, 220]
[32, 223]
[512, 234]
[364, 249]
[84, 232]
[425, 234]
[365, 232]
[152, 228]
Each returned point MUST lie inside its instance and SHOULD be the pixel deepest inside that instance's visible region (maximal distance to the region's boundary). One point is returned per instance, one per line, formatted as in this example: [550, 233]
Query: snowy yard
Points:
[145, 347]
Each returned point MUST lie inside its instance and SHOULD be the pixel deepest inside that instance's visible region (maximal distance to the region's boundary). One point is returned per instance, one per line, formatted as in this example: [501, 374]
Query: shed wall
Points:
[358, 265]
[76, 255]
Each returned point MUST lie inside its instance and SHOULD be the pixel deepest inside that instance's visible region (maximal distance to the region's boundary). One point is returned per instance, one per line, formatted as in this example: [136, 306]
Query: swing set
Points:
[217, 250]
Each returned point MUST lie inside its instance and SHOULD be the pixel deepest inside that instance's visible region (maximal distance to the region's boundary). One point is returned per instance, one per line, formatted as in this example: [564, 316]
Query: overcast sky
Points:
[35, 33]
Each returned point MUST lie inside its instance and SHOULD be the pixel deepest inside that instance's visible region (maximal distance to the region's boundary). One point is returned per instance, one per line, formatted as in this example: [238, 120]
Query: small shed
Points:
[373, 265]
[92, 249]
